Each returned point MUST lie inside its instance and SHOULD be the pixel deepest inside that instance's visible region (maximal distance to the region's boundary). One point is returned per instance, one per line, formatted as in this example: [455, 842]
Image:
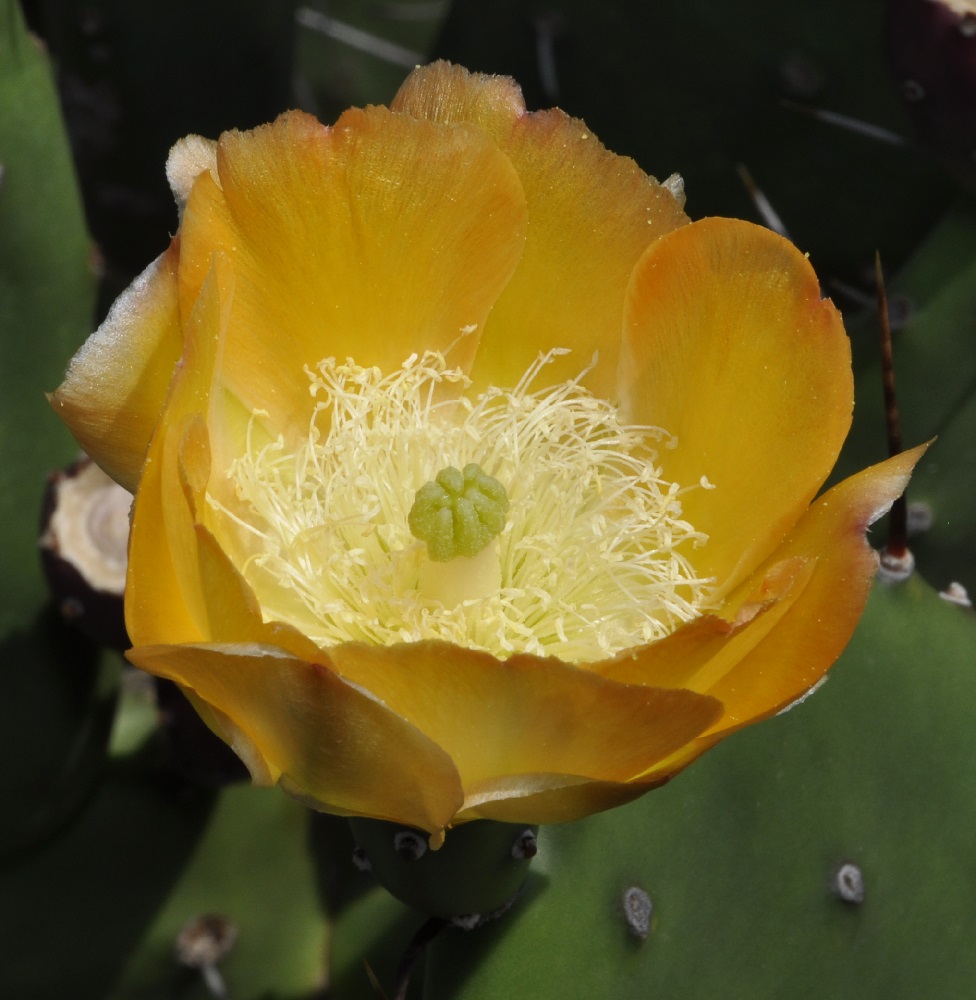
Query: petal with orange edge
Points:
[817, 627]
[323, 739]
[162, 572]
[763, 667]
[374, 239]
[729, 347]
[592, 214]
[164, 599]
[525, 716]
[707, 648]
[113, 393]
[206, 597]
[447, 93]
[548, 798]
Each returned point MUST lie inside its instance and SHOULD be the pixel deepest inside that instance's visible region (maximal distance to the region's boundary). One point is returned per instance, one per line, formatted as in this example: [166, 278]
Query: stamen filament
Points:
[591, 558]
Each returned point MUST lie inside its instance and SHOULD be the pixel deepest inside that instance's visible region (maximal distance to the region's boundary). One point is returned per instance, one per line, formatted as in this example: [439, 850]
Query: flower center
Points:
[458, 513]
[521, 520]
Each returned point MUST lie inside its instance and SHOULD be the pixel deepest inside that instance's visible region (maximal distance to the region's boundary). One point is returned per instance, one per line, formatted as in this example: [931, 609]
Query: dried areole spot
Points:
[83, 545]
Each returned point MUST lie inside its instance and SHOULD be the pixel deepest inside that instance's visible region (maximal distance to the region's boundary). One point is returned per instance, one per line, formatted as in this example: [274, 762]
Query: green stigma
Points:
[458, 513]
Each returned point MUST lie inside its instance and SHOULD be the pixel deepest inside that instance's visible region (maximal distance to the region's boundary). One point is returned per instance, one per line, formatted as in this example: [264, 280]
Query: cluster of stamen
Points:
[593, 557]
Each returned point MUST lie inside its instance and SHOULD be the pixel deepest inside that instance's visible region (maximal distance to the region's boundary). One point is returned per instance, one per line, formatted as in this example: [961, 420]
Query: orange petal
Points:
[760, 667]
[325, 741]
[547, 798]
[592, 214]
[512, 726]
[817, 627]
[166, 600]
[703, 651]
[444, 92]
[183, 585]
[115, 387]
[374, 239]
[729, 347]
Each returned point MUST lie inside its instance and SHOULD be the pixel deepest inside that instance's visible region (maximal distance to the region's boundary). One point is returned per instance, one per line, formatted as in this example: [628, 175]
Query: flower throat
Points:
[589, 556]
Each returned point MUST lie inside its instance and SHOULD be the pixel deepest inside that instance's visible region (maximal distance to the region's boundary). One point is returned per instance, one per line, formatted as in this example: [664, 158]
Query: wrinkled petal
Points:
[296, 723]
[511, 726]
[374, 239]
[729, 347]
[113, 393]
[592, 215]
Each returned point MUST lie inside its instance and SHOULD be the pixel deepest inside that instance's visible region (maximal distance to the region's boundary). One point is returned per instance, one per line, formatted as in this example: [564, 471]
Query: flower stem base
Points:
[476, 874]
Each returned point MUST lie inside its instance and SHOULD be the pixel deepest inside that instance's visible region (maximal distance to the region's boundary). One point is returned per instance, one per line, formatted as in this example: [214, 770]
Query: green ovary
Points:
[458, 513]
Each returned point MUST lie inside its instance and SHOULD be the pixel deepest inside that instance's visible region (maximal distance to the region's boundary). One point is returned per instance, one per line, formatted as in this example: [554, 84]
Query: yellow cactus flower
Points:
[472, 479]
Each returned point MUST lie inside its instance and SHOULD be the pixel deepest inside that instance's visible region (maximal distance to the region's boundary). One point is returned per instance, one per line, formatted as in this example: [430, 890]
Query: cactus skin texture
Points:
[57, 707]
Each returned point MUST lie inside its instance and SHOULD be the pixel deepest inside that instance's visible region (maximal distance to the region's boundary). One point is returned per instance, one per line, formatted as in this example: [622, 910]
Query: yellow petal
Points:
[764, 664]
[548, 798]
[513, 726]
[729, 346]
[166, 599]
[592, 213]
[298, 724]
[374, 239]
[703, 651]
[818, 625]
[114, 390]
[444, 92]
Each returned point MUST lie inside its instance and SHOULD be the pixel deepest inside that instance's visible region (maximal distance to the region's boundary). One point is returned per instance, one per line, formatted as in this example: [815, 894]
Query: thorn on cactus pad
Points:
[897, 562]
[409, 844]
[920, 518]
[896, 567]
[847, 883]
[799, 77]
[770, 217]
[202, 942]
[525, 846]
[901, 308]
[85, 530]
[549, 28]
[638, 910]
[956, 593]
[912, 90]
[849, 124]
